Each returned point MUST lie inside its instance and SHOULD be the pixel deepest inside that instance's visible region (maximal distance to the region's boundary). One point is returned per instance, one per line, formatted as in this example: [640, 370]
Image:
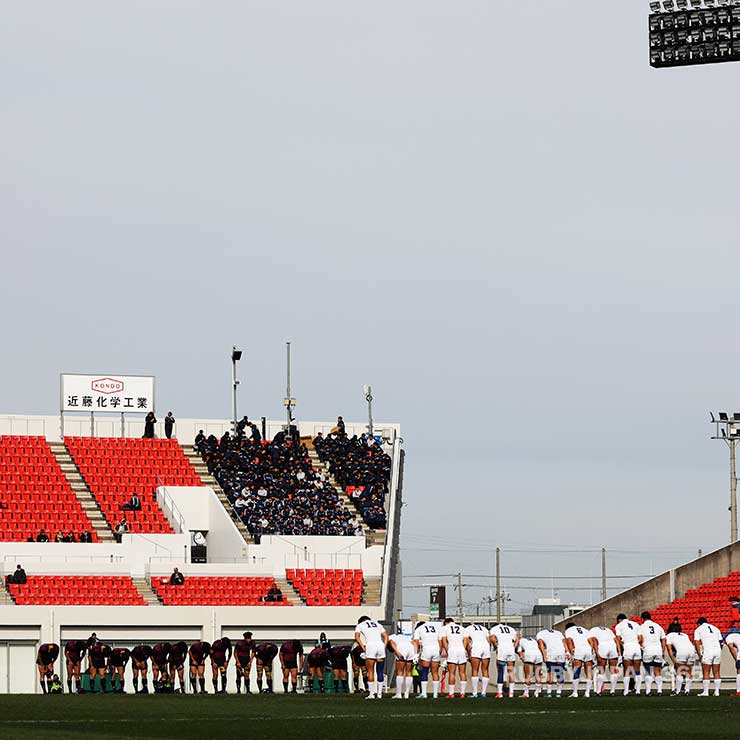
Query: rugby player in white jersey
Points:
[426, 644]
[576, 638]
[708, 641]
[372, 638]
[733, 644]
[505, 640]
[479, 654]
[531, 656]
[682, 653]
[604, 643]
[652, 641]
[629, 648]
[452, 644]
[403, 648]
[553, 648]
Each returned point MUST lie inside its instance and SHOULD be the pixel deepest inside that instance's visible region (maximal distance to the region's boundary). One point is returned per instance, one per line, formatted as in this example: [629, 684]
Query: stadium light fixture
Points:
[236, 355]
[689, 32]
[727, 429]
[368, 393]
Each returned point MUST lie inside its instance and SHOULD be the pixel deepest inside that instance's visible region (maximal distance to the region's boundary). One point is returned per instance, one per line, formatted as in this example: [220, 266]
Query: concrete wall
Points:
[662, 589]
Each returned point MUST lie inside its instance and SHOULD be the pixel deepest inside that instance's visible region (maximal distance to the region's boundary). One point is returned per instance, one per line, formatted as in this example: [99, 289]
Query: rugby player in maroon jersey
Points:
[160, 656]
[338, 654]
[198, 653]
[358, 667]
[139, 662]
[74, 652]
[47, 654]
[291, 661]
[117, 662]
[98, 654]
[178, 653]
[265, 653]
[318, 659]
[220, 657]
[243, 654]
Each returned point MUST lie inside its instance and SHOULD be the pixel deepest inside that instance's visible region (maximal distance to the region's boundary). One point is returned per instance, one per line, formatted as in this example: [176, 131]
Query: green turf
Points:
[352, 718]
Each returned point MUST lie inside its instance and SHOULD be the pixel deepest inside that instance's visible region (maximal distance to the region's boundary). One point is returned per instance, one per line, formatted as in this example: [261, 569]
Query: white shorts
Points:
[482, 652]
[607, 651]
[429, 654]
[632, 652]
[686, 658]
[375, 651]
[534, 658]
[585, 655]
[652, 655]
[711, 657]
[407, 652]
[505, 656]
[458, 656]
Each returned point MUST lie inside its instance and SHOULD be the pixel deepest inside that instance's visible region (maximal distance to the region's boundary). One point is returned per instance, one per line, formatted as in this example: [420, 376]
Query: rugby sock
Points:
[247, 685]
[424, 685]
[499, 688]
[223, 682]
[560, 687]
[538, 689]
[705, 686]
[638, 683]
[136, 684]
[463, 686]
[659, 684]
[193, 684]
[679, 683]
[613, 678]
[626, 684]
[202, 683]
[599, 682]
[145, 684]
[43, 685]
[409, 686]
[648, 683]
[689, 682]
[238, 682]
[215, 684]
[370, 687]
[269, 685]
[435, 689]
[122, 687]
[589, 682]
[549, 689]
[474, 681]
[78, 684]
[399, 685]
[321, 685]
[69, 685]
[717, 684]
[525, 693]
[576, 682]
[259, 684]
[484, 685]
[285, 686]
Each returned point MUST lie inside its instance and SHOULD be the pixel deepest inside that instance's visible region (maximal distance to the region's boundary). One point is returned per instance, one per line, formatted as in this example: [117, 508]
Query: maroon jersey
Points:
[338, 655]
[160, 653]
[199, 651]
[177, 654]
[244, 650]
[75, 650]
[48, 653]
[357, 658]
[290, 650]
[99, 654]
[119, 657]
[221, 651]
[318, 658]
[266, 652]
[141, 653]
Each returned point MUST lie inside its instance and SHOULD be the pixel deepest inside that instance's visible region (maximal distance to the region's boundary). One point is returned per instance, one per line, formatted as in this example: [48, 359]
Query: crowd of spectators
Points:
[273, 486]
[61, 536]
[361, 467]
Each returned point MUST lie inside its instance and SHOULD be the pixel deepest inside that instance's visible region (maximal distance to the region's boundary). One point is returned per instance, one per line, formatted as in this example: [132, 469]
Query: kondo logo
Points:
[107, 385]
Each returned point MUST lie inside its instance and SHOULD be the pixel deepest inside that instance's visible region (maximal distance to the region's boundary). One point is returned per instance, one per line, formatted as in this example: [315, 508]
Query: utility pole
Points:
[236, 355]
[726, 429]
[369, 398]
[289, 401]
[603, 574]
[459, 596]
[498, 584]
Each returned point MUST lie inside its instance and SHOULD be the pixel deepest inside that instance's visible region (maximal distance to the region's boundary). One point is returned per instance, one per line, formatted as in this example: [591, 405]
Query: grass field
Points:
[353, 718]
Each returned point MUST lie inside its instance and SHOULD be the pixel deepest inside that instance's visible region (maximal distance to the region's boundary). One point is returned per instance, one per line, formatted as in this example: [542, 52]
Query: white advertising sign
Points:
[127, 394]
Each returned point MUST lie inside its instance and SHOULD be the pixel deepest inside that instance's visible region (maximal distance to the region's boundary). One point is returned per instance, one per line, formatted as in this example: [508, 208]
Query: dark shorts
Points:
[197, 662]
[98, 664]
[290, 663]
[218, 660]
[177, 663]
[243, 661]
[139, 665]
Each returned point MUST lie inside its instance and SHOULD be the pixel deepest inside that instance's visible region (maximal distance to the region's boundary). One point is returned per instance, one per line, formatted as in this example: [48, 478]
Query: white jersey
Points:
[455, 635]
[579, 635]
[734, 639]
[681, 643]
[553, 643]
[404, 646]
[477, 634]
[371, 632]
[428, 634]
[710, 636]
[505, 637]
[627, 630]
[603, 636]
[529, 650]
[652, 634]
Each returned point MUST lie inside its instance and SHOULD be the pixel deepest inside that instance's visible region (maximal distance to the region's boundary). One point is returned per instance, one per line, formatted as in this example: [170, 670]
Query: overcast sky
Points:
[495, 212]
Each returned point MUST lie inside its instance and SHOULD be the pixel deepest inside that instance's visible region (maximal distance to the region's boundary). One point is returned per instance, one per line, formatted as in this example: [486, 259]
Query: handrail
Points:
[168, 502]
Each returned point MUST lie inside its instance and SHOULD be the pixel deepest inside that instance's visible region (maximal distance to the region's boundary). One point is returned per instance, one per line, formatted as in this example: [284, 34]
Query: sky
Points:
[494, 212]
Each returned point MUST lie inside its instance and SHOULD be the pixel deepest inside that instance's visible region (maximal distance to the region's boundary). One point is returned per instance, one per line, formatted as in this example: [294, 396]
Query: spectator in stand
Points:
[241, 426]
[200, 439]
[340, 425]
[121, 529]
[674, 626]
[70, 537]
[735, 604]
[256, 436]
[149, 421]
[133, 504]
[42, 536]
[18, 576]
[59, 536]
[177, 578]
[85, 536]
[169, 423]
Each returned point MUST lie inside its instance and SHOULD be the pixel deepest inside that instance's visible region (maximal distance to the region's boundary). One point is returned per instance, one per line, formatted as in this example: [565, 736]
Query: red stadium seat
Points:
[83, 590]
[216, 591]
[322, 587]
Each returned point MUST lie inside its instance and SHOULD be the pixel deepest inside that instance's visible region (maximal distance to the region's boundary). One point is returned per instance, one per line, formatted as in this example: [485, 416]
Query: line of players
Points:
[640, 648]
[168, 665]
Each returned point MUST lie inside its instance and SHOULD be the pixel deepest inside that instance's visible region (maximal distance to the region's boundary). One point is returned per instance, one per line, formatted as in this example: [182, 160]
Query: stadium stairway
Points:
[372, 536]
[146, 591]
[289, 593]
[5, 598]
[371, 591]
[81, 491]
[201, 470]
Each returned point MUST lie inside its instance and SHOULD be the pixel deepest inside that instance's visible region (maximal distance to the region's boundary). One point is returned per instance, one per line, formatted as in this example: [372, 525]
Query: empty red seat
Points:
[82, 590]
[327, 587]
[216, 591]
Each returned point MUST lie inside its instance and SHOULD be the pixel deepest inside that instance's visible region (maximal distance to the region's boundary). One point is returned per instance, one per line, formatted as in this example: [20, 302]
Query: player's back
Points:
[553, 641]
[454, 634]
[579, 637]
[628, 631]
[505, 636]
[428, 633]
[371, 631]
[652, 634]
[710, 636]
[477, 634]
[602, 635]
[680, 642]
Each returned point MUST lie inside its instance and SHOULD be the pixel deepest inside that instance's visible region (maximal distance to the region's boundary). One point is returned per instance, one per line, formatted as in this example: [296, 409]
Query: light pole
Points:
[726, 429]
[236, 355]
[368, 391]
[288, 401]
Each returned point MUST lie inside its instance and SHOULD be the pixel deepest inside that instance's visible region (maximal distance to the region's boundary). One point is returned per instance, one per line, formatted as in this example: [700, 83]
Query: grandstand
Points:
[320, 554]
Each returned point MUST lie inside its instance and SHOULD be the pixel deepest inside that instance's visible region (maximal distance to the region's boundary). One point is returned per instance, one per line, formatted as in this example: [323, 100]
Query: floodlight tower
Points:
[727, 428]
